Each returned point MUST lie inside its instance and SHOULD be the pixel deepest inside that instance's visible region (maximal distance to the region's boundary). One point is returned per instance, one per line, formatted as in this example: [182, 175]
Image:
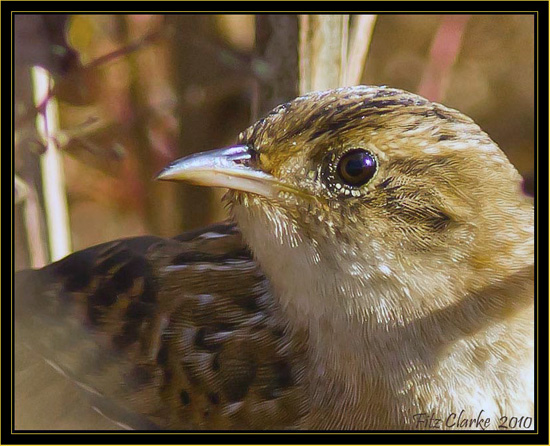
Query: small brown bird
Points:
[379, 274]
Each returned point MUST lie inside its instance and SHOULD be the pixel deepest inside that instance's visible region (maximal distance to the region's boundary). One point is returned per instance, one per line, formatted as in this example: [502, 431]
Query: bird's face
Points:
[367, 178]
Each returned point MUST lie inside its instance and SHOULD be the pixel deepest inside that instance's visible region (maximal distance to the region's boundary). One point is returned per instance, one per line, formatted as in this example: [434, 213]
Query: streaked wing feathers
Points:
[182, 333]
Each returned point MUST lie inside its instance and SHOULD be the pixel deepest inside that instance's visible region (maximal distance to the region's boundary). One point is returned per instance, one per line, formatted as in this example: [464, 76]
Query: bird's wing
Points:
[164, 333]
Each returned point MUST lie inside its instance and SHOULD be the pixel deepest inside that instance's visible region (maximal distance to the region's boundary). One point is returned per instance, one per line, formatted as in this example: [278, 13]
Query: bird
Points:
[376, 273]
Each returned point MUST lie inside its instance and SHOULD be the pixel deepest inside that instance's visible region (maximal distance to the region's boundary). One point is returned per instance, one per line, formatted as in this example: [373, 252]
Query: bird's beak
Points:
[232, 167]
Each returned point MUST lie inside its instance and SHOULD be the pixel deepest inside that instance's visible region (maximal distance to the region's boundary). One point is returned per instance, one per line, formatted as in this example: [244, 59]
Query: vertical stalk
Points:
[27, 199]
[323, 51]
[333, 50]
[361, 28]
[443, 53]
[51, 165]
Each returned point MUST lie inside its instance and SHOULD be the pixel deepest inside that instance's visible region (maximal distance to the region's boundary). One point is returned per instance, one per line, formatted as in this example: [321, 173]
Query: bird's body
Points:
[170, 333]
[380, 276]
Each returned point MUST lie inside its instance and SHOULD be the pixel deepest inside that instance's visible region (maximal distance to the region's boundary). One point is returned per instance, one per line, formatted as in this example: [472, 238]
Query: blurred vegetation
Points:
[137, 91]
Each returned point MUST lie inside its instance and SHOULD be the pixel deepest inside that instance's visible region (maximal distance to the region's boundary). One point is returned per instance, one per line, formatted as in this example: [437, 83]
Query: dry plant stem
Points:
[21, 190]
[51, 164]
[443, 54]
[34, 229]
[323, 51]
[360, 38]
[35, 232]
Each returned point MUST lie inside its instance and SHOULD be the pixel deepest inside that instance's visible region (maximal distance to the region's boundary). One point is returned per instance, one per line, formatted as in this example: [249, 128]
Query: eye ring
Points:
[357, 167]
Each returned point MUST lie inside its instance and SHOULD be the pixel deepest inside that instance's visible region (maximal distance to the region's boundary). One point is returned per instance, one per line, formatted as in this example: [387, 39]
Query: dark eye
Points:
[356, 167]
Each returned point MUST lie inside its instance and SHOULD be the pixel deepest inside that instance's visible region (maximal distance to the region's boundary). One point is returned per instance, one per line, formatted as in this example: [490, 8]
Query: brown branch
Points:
[94, 64]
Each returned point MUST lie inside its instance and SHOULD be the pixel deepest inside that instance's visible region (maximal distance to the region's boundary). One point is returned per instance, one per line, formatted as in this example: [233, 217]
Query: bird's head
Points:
[371, 182]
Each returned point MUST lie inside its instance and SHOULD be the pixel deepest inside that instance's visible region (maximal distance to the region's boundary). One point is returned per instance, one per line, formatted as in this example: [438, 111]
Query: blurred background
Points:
[125, 94]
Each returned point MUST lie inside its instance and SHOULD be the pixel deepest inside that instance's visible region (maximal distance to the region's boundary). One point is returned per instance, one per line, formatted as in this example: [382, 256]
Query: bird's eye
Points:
[356, 167]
